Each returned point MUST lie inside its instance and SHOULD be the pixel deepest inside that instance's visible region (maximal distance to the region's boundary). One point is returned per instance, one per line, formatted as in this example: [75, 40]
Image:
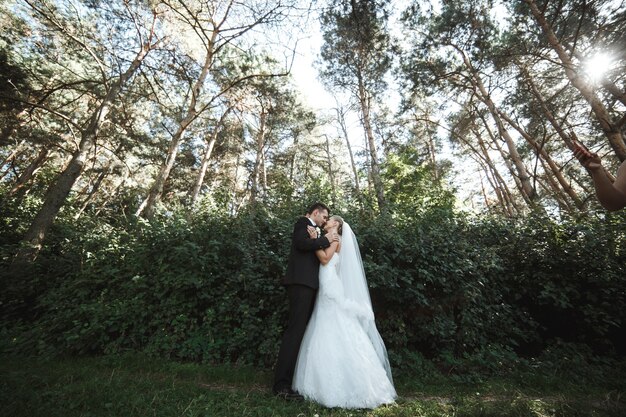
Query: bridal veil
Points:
[357, 294]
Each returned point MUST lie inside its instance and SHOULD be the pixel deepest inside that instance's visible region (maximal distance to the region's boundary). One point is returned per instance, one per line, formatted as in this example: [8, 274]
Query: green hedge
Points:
[207, 288]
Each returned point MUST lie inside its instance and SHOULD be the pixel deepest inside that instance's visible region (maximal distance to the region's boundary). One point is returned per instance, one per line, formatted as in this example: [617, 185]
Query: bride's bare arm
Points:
[324, 255]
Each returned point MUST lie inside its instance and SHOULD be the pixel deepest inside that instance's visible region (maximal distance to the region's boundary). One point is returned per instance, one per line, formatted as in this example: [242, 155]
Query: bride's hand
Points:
[312, 232]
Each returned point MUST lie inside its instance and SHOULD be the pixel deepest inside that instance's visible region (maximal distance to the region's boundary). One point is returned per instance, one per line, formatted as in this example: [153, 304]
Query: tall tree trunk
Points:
[364, 101]
[483, 95]
[546, 110]
[93, 191]
[9, 162]
[264, 172]
[204, 165]
[148, 206]
[292, 162]
[484, 193]
[331, 175]
[548, 113]
[106, 170]
[507, 162]
[9, 168]
[619, 95]
[260, 145]
[368, 168]
[556, 170]
[501, 192]
[233, 204]
[481, 156]
[31, 170]
[500, 185]
[344, 130]
[557, 190]
[112, 195]
[13, 154]
[430, 144]
[494, 186]
[432, 156]
[611, 131]
[58, 192]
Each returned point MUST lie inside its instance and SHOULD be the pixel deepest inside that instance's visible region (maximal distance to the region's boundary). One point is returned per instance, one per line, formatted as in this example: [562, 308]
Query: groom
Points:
[301, 281]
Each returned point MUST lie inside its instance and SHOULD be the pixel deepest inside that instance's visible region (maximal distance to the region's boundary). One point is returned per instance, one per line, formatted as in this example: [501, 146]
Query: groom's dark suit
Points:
[302, 281]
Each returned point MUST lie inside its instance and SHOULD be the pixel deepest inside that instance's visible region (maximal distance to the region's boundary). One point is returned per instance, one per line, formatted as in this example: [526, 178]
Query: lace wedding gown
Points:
[342, 360]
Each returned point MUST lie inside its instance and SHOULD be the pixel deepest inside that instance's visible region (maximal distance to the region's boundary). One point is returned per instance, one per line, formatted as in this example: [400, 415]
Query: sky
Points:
[304, 70]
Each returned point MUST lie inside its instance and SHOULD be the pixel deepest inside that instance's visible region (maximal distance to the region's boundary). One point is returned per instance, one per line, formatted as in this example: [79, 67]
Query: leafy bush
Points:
[473, 294]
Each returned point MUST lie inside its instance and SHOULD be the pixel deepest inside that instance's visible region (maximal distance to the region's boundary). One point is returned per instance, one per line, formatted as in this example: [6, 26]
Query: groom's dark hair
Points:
[317, 206]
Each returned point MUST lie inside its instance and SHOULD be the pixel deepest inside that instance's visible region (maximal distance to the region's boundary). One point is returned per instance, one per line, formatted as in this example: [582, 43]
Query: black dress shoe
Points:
[288, 394]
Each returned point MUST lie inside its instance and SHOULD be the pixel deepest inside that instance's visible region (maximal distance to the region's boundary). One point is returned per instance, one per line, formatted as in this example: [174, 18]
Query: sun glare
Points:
[597, 65]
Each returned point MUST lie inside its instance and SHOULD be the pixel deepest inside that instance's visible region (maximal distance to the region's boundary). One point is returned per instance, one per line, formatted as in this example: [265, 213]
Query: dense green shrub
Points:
[207, 287]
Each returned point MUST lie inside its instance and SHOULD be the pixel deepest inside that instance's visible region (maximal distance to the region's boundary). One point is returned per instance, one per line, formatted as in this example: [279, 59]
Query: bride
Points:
[343, 361]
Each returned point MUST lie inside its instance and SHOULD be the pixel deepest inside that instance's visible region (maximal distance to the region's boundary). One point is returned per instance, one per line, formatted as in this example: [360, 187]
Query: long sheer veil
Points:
[357, 293]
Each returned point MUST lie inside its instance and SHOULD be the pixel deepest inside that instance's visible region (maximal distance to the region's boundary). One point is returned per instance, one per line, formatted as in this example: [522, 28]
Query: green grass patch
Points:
[137, 385]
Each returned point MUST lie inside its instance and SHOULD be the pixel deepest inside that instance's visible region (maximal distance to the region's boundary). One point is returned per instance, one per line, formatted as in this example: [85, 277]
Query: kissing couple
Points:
[331, 351]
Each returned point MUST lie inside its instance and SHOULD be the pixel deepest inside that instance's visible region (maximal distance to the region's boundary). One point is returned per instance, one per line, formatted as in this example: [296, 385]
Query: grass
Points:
[136, 385]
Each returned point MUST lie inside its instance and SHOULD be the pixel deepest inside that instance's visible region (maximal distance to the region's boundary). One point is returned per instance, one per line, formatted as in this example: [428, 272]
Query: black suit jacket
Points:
[303, 266]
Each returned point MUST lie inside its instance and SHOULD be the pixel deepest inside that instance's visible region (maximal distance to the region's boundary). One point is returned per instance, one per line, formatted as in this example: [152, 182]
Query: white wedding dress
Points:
[342, 360]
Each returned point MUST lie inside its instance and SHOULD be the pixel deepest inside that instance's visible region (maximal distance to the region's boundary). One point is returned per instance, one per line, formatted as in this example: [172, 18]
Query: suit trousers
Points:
[301, 301]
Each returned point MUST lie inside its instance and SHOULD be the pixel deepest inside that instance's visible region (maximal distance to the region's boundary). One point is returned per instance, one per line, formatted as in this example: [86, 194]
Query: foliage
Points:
[410, 187]
[206, 287]
[491, 68]
[357, 47]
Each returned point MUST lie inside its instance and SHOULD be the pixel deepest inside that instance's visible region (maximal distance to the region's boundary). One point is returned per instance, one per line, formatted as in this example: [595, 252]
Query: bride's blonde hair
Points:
[340, 221]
